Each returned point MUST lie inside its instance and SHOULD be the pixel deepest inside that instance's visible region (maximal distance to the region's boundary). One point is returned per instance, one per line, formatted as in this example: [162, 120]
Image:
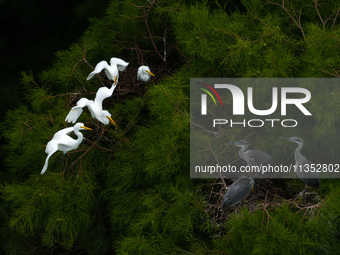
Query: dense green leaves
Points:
[66, 203]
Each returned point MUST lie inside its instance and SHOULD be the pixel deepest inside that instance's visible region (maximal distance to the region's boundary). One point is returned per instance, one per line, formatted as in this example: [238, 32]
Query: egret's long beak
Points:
[150, 73]
[86, 128]
[111, 120]
[115, 81]
[281, 137]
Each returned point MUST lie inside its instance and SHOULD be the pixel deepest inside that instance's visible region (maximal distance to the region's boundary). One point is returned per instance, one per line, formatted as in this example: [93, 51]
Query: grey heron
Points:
[241, 188]
[302, 166]
[238, 191]
[253, 157]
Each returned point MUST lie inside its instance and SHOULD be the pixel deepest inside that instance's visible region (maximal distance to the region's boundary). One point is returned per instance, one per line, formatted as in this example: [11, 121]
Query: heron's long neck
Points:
[298, 154]
[242, 152]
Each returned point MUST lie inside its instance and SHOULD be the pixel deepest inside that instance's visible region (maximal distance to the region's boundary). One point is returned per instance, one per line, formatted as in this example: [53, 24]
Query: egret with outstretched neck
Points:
[61, 141]
[112, 70]
[95, 107]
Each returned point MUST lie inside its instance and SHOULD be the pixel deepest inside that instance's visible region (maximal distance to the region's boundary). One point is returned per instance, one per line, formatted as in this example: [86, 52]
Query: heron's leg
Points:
[304, 192]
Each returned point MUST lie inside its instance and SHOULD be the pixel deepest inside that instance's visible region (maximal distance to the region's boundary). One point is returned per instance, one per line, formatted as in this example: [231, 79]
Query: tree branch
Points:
[296, 21]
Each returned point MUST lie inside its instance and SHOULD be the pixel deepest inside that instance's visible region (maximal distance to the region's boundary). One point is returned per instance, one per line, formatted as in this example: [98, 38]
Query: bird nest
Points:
[128, 85]
[268, 194]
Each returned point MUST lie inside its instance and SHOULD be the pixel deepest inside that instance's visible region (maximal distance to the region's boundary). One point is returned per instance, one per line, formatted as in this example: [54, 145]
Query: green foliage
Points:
[259, 43]
[64, 205]
[283, 231]
[129, 190]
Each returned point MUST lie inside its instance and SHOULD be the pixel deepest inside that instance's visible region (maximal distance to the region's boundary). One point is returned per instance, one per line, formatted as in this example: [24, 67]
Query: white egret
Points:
[144, 73]
[61, 141]
[111, 71]
[95, 107]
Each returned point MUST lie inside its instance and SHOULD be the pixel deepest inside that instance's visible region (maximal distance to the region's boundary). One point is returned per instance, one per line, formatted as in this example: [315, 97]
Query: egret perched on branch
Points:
[111, 71]
[61, 141]
[302, 168]
[144, 73]
[238, 191]
[253, 157]
[95, 107]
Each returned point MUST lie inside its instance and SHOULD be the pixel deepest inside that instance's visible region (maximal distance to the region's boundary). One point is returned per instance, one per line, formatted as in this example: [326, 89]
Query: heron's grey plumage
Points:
[238, 191]
[241, 188]
[310, 178]
[253, 157]
[301, 164]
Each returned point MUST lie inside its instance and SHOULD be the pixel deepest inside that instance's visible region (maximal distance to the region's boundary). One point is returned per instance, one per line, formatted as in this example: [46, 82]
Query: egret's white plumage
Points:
[95, 107]
[111, 71]
[144, 73]
[61, 141]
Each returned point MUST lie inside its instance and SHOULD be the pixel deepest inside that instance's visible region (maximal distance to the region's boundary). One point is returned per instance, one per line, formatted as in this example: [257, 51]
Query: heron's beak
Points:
[86, 128]
[234, 143]
[281, 137]
[112, 121]
[150, 73]
[115, 81]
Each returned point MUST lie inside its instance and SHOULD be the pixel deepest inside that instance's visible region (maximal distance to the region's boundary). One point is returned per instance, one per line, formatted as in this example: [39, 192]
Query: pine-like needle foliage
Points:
[128, 190]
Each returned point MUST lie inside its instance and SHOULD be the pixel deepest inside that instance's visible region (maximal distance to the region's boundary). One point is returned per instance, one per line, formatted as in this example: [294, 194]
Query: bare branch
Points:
[206, 130]
[296, 20]
[337, 13]
[149, 32]
[220, 174]
[317, 10]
